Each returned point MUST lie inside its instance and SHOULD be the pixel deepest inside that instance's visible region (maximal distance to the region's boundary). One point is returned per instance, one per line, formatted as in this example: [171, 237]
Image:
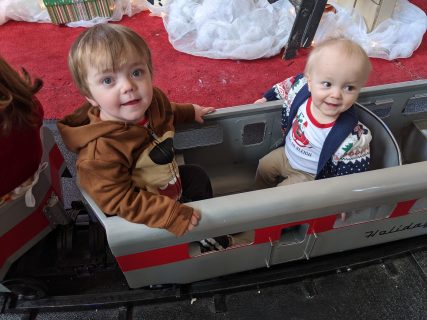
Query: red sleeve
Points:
[20, 155]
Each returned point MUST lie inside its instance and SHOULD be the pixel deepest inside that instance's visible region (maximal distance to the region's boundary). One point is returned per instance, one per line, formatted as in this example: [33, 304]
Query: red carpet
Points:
[42, 50]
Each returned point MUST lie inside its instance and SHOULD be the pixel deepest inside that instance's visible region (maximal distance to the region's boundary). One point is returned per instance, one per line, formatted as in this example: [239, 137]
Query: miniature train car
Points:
[281, 224]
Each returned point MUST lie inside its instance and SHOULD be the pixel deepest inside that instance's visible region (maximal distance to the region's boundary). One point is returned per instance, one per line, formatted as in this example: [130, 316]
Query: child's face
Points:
[334, 81]
[124, 94]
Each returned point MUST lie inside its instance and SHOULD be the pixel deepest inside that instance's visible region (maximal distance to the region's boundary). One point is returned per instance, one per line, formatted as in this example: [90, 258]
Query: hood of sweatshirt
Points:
[78, 130]
[84, 125]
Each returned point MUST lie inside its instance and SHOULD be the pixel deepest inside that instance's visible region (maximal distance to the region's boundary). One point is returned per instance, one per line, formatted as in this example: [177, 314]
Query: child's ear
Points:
[92, 102]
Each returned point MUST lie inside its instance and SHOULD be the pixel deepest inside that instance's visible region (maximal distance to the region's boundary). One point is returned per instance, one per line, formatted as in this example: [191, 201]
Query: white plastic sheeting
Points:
[23, 10]
[224, 29]
[250, 29]
[394, 38]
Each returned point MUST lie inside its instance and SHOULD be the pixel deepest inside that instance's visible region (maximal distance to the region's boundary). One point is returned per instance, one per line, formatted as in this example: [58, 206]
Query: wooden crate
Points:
[64, 11]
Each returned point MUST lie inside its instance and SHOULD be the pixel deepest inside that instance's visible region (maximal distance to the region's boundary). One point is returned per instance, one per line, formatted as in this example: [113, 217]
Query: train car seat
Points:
[385, 151]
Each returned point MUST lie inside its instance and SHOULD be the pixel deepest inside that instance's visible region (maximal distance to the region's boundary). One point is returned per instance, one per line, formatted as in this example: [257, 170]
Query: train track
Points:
[124, 300]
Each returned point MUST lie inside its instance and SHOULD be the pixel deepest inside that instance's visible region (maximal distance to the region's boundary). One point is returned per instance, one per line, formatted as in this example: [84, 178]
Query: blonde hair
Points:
[17, 105]
[104, 46]
[346, 47]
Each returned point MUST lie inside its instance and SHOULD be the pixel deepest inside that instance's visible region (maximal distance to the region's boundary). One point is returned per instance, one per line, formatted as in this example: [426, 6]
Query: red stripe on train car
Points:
[23, 232]
[270, 233]
[153, 258]
[56, 160]
[402, 208]
[322, 224]
[180, 252]
[315, 225]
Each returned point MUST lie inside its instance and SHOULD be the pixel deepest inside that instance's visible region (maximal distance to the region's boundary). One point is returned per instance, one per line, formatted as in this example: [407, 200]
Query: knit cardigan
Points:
[346, 148]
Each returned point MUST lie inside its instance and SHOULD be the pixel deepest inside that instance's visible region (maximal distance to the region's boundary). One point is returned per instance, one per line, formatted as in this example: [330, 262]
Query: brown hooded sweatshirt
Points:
[114, 161]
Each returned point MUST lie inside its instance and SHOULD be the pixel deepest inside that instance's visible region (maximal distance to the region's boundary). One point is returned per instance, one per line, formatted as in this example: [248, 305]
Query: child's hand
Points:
[199, 112]
[194, 221]
[262, 100]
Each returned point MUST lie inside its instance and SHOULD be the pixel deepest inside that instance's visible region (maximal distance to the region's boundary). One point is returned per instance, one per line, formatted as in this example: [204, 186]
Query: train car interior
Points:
[233, 142]
[239, 140]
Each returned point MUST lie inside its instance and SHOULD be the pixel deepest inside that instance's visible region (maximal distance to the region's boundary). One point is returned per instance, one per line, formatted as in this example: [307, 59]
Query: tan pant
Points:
[275, 166]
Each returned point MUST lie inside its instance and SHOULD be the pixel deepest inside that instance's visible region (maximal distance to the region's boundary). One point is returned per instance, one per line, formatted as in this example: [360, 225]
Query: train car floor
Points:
[382, 282]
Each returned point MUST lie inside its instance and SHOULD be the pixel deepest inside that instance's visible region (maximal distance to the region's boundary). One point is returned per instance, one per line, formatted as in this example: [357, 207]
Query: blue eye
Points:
[326, 84]
[107, 81]
[137, 72]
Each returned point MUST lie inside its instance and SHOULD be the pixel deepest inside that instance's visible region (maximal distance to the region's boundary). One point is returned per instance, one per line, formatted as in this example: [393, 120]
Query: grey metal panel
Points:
[399, 94]
[419, 206]
[414, 146]
[370, 233]
[269, 207]
[232, 122]
[290, 252]
[202, 267]
[256, 256]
